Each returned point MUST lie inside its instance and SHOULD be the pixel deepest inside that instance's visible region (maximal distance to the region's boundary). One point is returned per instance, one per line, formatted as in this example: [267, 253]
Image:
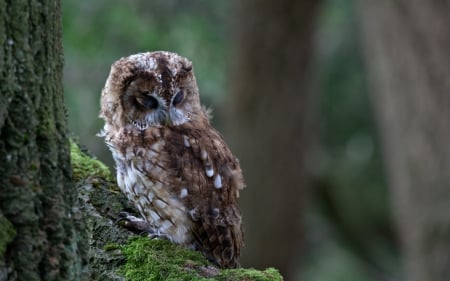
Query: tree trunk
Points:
[36, 193]
[270, 108]
[408, 54]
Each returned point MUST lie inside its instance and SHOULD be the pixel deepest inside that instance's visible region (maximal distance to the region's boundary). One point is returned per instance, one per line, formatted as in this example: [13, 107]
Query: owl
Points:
[171, 163]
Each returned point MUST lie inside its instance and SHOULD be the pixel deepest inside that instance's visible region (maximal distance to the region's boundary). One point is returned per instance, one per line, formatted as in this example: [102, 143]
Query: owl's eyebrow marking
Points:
[138, 73]
[166, 77]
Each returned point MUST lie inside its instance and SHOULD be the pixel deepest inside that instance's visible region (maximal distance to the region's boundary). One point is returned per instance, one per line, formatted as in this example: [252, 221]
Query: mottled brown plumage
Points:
[171, 163]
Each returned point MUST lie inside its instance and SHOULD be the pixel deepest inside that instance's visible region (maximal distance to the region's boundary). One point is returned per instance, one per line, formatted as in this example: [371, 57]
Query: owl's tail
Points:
[219, 236]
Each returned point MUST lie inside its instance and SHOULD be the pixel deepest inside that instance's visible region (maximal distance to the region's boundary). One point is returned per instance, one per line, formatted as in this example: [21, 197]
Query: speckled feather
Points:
[171, 163]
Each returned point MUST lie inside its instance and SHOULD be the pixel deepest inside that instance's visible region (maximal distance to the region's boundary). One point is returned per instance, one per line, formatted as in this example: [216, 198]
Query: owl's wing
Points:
[211, 177]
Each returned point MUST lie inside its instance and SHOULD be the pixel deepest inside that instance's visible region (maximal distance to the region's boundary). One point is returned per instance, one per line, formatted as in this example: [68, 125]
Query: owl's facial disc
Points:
[162, 96]
[151, 109]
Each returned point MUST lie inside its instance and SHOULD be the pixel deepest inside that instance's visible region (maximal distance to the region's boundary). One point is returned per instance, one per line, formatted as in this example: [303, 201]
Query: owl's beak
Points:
[167, 120]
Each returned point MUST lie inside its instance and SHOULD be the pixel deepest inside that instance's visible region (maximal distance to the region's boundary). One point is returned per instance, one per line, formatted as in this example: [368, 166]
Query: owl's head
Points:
[151, 89]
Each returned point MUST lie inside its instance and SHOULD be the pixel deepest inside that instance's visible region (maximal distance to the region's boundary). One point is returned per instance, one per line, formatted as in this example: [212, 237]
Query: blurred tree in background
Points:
[270, 111]
[407, 45]
[339, 184]
[350, 229]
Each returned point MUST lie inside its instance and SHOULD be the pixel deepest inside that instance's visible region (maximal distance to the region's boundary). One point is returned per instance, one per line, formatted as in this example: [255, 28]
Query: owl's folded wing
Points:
[212, 178]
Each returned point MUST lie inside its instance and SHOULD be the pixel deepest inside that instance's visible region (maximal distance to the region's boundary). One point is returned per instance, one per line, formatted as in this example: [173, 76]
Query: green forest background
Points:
[349, 234]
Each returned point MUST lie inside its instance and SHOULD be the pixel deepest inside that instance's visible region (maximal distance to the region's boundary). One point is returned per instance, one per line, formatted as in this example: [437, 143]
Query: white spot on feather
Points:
[209, 171]
[218, 181]
[186, 141]
[183, 193]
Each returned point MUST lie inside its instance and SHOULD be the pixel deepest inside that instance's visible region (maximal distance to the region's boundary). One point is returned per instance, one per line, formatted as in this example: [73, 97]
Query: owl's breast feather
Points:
[144, 180]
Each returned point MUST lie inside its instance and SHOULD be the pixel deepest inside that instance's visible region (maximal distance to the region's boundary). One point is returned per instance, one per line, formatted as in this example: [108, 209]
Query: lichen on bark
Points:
[36, 193]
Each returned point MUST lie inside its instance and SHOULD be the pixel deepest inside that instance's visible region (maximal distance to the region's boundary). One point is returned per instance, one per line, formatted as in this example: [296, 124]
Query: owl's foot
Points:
[134, 224]
[140, 226]
[159, 235]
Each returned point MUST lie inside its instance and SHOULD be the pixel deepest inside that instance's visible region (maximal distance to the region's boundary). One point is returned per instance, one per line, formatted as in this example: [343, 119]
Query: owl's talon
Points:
[134, 224]
[158, 235]
[123, 215]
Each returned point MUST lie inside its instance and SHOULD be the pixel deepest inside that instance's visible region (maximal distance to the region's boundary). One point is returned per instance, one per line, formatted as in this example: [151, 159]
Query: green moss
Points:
[111, 247]
[269, 274]
[7, 233]
[84, 166]
[154, 260]
[160, 260]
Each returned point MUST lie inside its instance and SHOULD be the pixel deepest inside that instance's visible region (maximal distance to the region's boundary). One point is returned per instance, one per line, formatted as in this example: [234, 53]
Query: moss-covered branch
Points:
[118, 254]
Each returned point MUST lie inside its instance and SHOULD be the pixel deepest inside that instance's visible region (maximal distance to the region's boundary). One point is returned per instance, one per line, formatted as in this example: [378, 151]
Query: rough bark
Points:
[100, 202]
[408, 54]
[270, 111]
[36, 193]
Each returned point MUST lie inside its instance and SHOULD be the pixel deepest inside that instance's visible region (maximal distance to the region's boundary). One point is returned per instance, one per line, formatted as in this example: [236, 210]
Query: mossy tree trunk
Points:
[408, 55]
[37, 238]
[271, 133]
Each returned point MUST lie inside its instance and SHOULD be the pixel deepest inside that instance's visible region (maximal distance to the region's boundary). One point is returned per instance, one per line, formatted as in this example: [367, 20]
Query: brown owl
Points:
[171, 163]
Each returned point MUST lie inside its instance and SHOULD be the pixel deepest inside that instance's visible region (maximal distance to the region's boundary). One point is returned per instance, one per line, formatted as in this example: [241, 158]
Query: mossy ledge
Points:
[161, 260]
[84, 166]
[118, 254]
